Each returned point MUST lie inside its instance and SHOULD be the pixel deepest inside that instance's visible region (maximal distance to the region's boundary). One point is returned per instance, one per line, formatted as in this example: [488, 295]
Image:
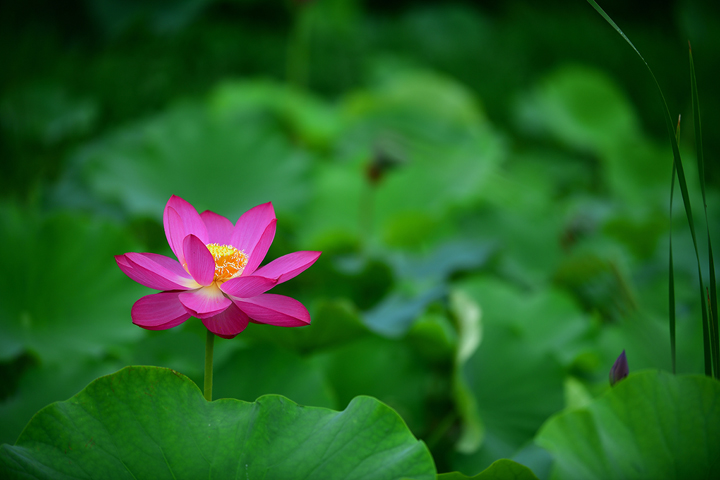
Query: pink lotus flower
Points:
[217, 278]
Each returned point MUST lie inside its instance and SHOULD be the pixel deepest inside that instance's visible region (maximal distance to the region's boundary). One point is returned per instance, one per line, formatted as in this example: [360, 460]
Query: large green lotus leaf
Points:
[650, 425]
[516, 375]
[224, 164]
[63, 294]
[150, 422]
[503, 469]
[266, 368]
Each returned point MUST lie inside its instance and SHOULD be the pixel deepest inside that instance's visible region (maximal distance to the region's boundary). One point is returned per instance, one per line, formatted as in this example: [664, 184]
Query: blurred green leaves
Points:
[516, 376]
[582, 107]
[650, 425]
[62, 293]
[585, 110]
[224, 164]
[65, 307]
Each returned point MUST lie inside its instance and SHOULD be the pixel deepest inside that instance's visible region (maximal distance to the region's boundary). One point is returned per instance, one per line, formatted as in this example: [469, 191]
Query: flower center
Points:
[229, 261]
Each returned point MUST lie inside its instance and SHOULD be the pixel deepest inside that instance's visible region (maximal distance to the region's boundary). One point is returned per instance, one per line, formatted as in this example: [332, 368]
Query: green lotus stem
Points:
[209, 344]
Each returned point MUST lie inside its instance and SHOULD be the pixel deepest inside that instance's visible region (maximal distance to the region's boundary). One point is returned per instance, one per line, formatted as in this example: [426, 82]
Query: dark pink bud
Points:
[619, 369]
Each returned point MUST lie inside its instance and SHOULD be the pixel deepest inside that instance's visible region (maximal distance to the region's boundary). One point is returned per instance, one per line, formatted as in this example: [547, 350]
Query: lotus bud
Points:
[619, 369]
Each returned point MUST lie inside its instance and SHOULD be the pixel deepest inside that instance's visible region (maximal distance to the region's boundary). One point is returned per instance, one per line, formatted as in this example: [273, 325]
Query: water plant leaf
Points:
[650, 425]
[516, 375]
[310, 120]
[446, 147]
[150, 422]
[422, 279]
[586, 110]
[61, 295]
[581, 107]
[184, 150]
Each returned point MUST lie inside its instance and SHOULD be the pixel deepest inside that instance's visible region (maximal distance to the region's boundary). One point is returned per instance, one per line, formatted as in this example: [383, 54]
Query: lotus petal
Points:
[274, 309]
[246, 287]
[159, 311]
[204, 302]
[200, 262]
[219, 228]
[254, 233]
[288, 266]
[228, 323]
[180, 219]
[155, 271]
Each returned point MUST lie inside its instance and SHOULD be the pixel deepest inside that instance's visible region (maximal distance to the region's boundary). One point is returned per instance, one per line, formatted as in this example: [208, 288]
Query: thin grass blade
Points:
[712, 292]
[671, 270]
[677, 161]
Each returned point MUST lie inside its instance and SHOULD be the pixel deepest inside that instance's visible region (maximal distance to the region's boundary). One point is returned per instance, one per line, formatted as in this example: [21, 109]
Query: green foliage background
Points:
[486, 282]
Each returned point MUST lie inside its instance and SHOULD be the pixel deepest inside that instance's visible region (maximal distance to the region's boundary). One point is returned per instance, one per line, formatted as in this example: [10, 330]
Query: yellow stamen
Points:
[229, 261]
